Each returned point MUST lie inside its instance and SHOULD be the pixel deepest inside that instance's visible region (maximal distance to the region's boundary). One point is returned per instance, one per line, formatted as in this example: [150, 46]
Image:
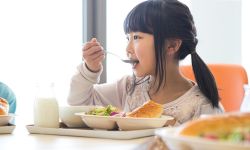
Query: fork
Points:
[131, 61]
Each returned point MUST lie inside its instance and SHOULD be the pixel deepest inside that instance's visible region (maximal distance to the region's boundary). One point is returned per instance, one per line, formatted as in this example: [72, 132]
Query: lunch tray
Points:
[8, 129]
[87, 132]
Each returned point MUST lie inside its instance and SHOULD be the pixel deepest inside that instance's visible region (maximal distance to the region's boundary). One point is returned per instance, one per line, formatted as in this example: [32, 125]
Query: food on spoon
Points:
[104, 111]
[149, 109]
[229, 127]
[4, 106]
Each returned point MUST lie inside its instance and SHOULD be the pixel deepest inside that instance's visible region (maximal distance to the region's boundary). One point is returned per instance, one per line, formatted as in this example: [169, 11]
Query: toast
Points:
[150, 109]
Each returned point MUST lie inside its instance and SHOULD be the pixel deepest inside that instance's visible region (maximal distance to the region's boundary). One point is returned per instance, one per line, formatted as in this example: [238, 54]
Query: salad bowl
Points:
[98, 122]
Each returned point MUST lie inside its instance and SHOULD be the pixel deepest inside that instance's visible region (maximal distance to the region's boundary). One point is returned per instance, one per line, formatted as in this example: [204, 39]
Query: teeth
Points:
[134, 64]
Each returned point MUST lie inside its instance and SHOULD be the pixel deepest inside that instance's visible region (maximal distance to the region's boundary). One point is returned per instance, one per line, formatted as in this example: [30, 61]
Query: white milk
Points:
[46, 113]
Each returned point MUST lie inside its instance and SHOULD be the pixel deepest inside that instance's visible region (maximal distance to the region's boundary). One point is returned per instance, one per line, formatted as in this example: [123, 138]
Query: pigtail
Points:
[205, 79]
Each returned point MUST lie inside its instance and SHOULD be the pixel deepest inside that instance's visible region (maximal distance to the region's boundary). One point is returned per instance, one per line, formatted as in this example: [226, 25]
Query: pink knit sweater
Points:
[84, 90]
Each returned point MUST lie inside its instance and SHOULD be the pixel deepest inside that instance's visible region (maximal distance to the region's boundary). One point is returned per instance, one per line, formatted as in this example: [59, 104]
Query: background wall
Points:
[245, 40]
[219, 30]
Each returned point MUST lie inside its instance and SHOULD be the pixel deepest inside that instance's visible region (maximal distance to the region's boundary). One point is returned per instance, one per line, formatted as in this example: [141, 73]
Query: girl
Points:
[160, 33]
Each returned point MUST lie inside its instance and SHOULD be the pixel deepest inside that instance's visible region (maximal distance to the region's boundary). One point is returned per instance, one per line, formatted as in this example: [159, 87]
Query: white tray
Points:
[87, 132]
[7, 129]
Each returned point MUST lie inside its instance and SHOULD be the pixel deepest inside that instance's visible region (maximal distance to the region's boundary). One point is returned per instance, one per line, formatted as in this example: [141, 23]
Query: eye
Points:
[136, 37]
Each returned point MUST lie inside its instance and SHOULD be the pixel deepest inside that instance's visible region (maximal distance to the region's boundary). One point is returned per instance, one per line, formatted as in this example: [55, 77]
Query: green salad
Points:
[237, 135]
[104, 111]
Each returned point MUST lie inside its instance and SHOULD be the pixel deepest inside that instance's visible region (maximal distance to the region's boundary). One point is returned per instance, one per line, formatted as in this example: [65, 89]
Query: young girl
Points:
[160, 33]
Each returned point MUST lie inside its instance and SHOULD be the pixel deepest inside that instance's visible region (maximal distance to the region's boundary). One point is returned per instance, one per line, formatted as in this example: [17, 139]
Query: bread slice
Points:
[217, 125]
[4, 106]
[149, 109]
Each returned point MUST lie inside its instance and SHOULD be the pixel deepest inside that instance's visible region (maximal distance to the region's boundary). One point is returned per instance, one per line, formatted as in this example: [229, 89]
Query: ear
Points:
[173, 45]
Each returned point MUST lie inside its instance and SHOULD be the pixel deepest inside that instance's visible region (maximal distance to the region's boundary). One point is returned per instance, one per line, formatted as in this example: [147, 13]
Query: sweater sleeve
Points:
[8, 94]
[84, 89]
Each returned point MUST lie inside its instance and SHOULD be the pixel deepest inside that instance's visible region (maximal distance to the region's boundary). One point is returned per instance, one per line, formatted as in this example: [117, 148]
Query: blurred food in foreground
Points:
[233, 127]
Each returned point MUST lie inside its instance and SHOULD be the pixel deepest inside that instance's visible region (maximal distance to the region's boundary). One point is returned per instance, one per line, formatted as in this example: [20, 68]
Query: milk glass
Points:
[46, 113]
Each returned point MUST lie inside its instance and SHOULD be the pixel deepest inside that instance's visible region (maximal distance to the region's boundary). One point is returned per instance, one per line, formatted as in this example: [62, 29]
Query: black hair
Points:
[171, 19]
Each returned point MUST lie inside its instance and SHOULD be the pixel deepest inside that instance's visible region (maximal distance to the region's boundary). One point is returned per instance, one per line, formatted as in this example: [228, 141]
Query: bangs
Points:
[137, 20]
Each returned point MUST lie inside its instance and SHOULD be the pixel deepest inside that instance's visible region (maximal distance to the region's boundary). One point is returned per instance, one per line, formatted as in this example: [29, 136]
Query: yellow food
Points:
[232, 127]
[4, 106]
[149, 109]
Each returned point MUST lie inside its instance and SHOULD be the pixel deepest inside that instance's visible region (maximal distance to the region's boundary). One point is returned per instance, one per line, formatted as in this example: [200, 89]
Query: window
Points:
[40, 42]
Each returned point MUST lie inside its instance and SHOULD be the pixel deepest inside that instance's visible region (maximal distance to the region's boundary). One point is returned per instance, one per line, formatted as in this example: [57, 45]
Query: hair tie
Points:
[193, 52]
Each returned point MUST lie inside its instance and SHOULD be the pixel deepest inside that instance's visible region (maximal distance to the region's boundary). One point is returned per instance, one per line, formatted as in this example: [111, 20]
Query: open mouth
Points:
[134, 63]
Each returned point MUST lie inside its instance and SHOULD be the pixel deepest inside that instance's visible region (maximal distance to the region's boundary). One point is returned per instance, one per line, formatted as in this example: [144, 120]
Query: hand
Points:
[93, 55]
[170, 122]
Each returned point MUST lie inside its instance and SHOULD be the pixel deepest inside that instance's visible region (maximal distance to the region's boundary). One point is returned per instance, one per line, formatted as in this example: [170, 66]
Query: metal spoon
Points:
[131, 61]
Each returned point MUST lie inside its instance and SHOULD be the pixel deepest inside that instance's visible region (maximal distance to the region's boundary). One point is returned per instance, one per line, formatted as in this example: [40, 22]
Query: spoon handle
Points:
[124, 60]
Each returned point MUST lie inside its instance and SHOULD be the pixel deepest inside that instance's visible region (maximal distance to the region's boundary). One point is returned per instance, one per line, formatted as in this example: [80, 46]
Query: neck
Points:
[175, 86]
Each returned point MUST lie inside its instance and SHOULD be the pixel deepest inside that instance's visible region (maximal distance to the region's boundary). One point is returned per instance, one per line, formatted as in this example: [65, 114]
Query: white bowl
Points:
[68, 117]
[98, 122]
[130, 123]
[6, 119]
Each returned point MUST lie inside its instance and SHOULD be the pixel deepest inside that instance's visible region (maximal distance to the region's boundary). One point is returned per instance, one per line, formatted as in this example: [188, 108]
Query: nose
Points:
[130, 49]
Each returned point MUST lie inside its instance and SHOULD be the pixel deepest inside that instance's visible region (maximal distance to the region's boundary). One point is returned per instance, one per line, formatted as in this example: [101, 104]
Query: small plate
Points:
[98, 122]
[130, 123]
[6, 119]
[179, 142]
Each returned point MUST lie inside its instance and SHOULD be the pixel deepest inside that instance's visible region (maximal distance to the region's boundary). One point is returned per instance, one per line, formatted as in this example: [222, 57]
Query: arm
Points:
[9, 95]
[84, 89]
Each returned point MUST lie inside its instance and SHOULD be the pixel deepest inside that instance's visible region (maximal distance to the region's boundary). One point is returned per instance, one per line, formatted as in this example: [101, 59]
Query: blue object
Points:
[8, 94]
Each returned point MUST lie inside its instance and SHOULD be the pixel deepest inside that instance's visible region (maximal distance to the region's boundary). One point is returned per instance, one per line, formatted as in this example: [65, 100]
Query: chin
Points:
[139, 74]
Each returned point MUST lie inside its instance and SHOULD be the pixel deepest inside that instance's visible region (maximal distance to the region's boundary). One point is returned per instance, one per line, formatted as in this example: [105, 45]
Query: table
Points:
[21, 139]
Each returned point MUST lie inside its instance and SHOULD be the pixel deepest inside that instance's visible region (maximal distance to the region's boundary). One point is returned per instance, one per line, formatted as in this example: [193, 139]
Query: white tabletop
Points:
[21, 139]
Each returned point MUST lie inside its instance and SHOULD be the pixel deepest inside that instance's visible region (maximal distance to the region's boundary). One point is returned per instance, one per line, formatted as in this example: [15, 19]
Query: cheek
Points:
[151, 63]
[147, 59]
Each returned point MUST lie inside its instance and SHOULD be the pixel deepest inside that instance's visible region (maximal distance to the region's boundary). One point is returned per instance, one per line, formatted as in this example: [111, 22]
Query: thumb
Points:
[93, 40]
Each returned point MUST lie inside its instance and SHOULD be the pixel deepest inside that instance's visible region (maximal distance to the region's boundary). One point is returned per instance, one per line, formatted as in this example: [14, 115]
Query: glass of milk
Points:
[46, 113]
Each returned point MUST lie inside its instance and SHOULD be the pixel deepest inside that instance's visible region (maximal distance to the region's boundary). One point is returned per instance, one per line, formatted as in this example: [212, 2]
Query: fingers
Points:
[93, 50]
[90, 44]
[92, 47]
[98, 59]
[93, 54]
[93, 40]
[95, 64]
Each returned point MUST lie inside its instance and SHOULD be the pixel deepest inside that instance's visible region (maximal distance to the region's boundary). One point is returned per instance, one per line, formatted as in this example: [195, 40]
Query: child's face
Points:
[141, 47]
